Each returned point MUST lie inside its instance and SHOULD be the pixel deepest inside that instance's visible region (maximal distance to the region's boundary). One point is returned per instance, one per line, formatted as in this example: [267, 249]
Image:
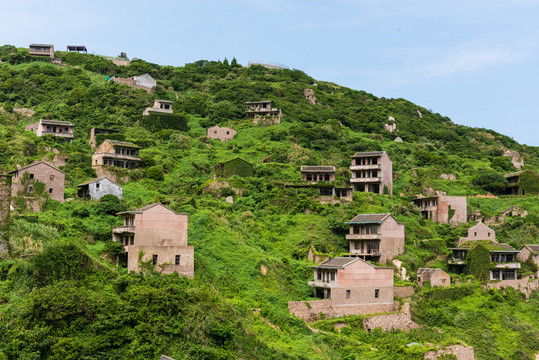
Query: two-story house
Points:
[159, 107]
[262, 111]
[525, 182]
[503, 264]
[376, 237]
[442, 208]
[372, 172]
[121, 154]
[322, 178]
[62, 129]
[27, 181]
[41, 50]
[156, 235]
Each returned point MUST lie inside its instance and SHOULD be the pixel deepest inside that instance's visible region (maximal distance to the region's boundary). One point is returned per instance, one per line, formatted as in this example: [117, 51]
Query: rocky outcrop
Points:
[392, 126]
[448, 176]
[309, 95]
[516, 158]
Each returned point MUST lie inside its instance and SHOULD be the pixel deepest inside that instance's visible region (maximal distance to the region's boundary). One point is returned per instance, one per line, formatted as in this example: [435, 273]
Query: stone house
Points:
[42, 172]
[236, 166]
[41, 50]
[159, 107]
[317, 173]
[97, 188]
[436, 277]
[158, 236]
[442, 208]
[63, 129]
[99, 131]
[347, 286]
[524, 182]
[116, 153]
[376, 237]
[317, 257]
[220, 133]
[503, 258]
[372, 172]
[263, 112]
[529, 252]
[144, 82]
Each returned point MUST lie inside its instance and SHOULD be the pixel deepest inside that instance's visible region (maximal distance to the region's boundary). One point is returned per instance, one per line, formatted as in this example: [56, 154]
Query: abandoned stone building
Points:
[525, 182]
[97, 188]
[317, 173]
[37, 180]
[41, 50]
[435, 276]
[529, 252]
[315, 256]
[144, 82]
[157, 236]
[263, 113]
[77, 48]
[322, 178]
[116, 153]
[443, 209]
[236, 166]
[347, 286]
[376, 237]
[220, 133]
[99, 131]
[372, 172]
[63, 129]
[159, 107]
[502, 260]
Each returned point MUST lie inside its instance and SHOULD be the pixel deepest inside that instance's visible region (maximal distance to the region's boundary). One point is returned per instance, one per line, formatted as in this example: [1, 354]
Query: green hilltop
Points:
[63, 297]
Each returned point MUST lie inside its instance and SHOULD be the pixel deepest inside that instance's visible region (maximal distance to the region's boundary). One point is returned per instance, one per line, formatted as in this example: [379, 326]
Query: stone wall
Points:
[401, 321]
[311, 310]
[526, 285]
[459, 351]
[131, 82]
[5, 201]
[404, 291]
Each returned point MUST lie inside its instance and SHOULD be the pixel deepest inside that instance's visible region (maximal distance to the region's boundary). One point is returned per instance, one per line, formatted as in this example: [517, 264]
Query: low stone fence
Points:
[403, 291]
[526, 285]
[459, 351]
[311, 310]
[401, 321]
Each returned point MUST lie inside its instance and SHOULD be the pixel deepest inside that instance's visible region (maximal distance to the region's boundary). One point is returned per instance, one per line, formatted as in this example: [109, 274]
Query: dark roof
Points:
[514, 173]
[122, 143]
[76, 47]
[147, 207]
[338, 262]
[44, 45]
[56, 122]
[425, 197]
[487, 244]
[369, 153]
[533, 248]
[427, 270]
[36, 163]
[166, 101]
[317, 168]
[96, 180]
[369, 218]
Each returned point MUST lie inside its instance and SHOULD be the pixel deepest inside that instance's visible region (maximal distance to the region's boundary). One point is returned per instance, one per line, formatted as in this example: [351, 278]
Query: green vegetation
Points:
[64, 296]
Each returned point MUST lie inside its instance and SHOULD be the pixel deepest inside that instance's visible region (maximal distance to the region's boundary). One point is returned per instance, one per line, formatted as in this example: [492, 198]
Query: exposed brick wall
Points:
[461, 353]
[329, 309]
[403, 291]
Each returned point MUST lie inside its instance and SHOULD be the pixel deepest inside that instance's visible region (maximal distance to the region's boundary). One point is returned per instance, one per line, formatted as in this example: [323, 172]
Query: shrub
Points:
[155, 173]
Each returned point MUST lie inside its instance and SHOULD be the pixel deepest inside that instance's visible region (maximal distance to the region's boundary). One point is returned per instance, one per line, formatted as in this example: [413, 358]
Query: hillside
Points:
[62, 296]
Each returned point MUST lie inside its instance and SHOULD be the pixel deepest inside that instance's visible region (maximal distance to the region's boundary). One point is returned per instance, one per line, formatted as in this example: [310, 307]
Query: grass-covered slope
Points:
[62, 296]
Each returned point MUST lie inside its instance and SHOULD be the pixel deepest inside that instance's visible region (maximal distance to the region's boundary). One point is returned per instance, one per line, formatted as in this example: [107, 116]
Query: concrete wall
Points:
[159, 226]
[392, 242]
[328, 308]
[146, 81]
[387, 174]
[457, 203]
[524, 255]
[221, 133]
[106, 187]
[166, 256]
[402, 321]
[436, 277]
[50, 176]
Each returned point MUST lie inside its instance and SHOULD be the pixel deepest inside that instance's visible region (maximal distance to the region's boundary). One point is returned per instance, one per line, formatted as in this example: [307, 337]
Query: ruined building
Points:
[220, 133]
[442, 208]
[372, 172]
[263, 113]
[97, 188]
[62, 129]
[159, 107]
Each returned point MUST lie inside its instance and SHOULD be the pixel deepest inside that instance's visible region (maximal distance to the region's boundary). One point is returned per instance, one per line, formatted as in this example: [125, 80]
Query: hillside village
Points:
[299, 209]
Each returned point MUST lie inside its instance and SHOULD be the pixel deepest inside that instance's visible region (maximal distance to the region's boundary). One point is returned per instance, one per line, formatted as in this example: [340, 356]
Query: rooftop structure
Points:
[317, 173]
[116, 153]
[97, 131]
[372, 172]
[77, 48]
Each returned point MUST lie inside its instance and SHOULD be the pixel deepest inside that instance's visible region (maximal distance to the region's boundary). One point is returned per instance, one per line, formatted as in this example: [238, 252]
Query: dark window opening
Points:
[348, 293]
[376, 293]
[177, 260]
[154, 260]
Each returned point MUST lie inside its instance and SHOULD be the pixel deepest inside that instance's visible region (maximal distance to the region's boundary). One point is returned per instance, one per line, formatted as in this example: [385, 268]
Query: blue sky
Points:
[475, 61]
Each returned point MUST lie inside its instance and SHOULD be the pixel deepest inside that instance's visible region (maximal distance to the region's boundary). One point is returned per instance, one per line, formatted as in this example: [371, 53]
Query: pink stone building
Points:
[442, 208]
[479, 232]
[317, 173]
[41, 171]
[157, 235]
[529, 252]
[376, 237]
[41, 50]
[372, 172]
[63, 129]
[220, 133]
[436, 277]
[116, 153]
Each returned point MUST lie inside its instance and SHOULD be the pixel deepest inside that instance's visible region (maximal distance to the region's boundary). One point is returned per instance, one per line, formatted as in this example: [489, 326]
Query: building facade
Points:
[159, 107]
[99, 131]
[41, 50]
[529, 252]
[97, 188]
[436, 277]
[443, 209]
[263, 112]
[220, 133]
[157, 236]
[317, 173]
[63, 129]
[372, 172]
[376, 237]
[116, 153]
[25, 181]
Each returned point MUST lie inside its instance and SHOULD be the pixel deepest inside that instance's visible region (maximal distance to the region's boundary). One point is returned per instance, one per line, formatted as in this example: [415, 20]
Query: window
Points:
[348, 293]
[50, 190]
[66, 130]
[356, 245]
[177, 260]
[309, 177]
[30, 188]
[376, 293]
[51, 177]
[97, 186]
[488, 234]
[228, 132]
[31, 176]
[319, 275]
[132, 240]
[326, 177]
[154, 259]
[474, 234]
[333, 276]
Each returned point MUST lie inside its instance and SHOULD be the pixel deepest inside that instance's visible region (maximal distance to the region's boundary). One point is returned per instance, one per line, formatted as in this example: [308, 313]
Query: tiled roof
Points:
[367, 218]
[317, 168]
[534, 248]
[257, 102]
[514, 173]
[122, 143]
[56, 122]
[96, 180]
[36, 163]
[479, 224]
[369, 153]
[487, 244]
[338, 262]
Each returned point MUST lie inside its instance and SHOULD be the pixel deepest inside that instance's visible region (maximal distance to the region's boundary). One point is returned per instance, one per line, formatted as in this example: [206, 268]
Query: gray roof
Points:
[147, 207]
[338, 262]
[257, 102]
[427, 270]
[44, 45]
[318, 168]
[96, 180]
[369, 218]
[122, 143]
[533, 248]
[369, 153]
[514, 173]
[56, 122]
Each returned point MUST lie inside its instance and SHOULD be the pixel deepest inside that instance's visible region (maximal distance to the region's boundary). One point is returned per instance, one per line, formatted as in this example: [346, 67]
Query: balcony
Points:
[456, 262]
[123, 229]
[322, 284]
[366, 180]
[363, 236]
[63, 134]
[366, 167]
[371, 252]
[511, 265]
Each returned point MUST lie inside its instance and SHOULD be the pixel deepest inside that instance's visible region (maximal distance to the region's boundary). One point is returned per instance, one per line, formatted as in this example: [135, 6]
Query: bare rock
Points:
[309, 95]
[448, 176]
